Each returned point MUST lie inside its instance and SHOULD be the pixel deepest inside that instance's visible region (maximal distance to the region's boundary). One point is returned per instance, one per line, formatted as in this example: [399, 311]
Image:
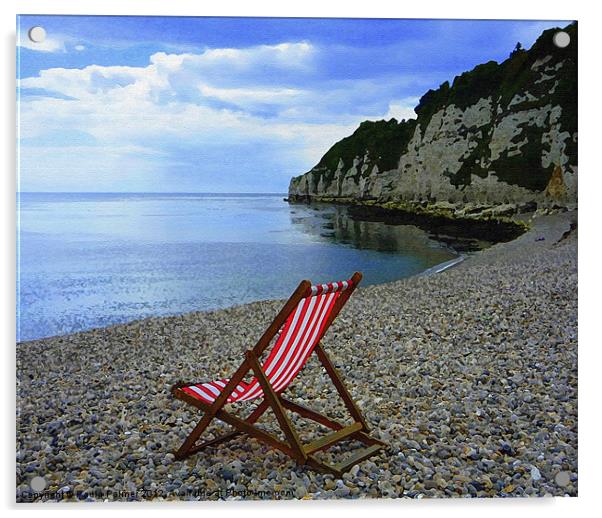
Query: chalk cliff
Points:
[500, 135]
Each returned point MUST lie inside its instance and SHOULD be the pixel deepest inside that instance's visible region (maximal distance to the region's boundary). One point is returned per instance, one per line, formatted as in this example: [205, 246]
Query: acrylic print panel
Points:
[179, 177]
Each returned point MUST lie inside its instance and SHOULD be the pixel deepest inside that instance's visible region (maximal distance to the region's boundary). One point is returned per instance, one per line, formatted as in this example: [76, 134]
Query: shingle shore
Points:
[470, 375]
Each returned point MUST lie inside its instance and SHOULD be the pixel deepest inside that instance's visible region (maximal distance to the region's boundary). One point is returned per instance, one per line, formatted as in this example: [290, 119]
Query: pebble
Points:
[300, 492]
[535, 474]
[468, 374]
[342, 491]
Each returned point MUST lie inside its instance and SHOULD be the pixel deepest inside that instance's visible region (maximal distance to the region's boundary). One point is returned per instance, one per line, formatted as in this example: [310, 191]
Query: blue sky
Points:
[155, 104]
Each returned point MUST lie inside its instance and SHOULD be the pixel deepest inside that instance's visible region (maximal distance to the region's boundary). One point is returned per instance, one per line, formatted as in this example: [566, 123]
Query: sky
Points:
[193, 104]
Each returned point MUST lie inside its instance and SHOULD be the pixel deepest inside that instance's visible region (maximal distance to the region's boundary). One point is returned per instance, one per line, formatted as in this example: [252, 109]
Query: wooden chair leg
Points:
[338, 469]
[253, 417]
[211, 410]
[353, 431]
[187, 445]
[212, 442]
[247, 426]
[274, 401]
[341, 388]
[191, 450]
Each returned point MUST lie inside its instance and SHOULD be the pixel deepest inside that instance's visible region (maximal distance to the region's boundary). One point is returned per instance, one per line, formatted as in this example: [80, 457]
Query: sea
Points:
[88, 260]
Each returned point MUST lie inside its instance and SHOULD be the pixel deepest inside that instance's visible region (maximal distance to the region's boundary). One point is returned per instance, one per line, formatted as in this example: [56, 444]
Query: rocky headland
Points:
[500, 140]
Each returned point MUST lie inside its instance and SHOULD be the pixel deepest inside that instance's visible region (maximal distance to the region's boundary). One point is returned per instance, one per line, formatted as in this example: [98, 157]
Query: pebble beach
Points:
[470, 376]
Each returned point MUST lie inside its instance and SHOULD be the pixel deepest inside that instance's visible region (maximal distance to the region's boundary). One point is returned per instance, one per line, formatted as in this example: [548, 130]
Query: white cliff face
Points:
[489, 153]
[422, 172]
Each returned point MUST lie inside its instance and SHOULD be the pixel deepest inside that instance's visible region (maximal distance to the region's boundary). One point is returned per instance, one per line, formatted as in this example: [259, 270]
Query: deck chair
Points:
[297, 330]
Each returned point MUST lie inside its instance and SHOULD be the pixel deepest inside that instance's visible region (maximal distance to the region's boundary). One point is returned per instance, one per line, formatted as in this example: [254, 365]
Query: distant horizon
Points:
[193, 104]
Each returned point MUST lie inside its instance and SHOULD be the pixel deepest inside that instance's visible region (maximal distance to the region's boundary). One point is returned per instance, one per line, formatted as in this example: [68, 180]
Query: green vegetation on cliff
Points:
[382, 143]
[502, 82]
[513, 76]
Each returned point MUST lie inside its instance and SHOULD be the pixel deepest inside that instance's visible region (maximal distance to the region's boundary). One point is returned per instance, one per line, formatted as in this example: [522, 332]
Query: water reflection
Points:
[333, 224]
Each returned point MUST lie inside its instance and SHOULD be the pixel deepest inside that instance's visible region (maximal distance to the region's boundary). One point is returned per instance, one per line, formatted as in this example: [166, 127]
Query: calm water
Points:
[92, 260]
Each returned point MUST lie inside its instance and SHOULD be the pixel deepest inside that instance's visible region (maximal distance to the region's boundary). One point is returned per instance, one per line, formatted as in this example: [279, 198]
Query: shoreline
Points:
[476, 390]
[141, 283]
[469, 220]
[467, 229]
[441, 267]
[433, 270]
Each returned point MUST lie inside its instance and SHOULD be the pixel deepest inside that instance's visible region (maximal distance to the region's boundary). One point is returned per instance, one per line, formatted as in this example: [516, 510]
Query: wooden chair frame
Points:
[303, 454]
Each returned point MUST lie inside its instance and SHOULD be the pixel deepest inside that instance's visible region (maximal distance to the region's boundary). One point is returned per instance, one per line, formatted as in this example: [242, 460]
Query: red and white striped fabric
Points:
[294, 343]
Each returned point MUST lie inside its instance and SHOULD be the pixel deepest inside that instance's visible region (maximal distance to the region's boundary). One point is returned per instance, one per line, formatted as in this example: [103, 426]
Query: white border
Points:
[590, 190]
[468, 9]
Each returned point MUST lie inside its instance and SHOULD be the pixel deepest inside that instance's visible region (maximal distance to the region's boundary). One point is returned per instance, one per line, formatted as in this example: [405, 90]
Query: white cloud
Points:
[93, 80]
[252, 95]
[402, 109]
[178, 73]
[181, 104]
[284, 55]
